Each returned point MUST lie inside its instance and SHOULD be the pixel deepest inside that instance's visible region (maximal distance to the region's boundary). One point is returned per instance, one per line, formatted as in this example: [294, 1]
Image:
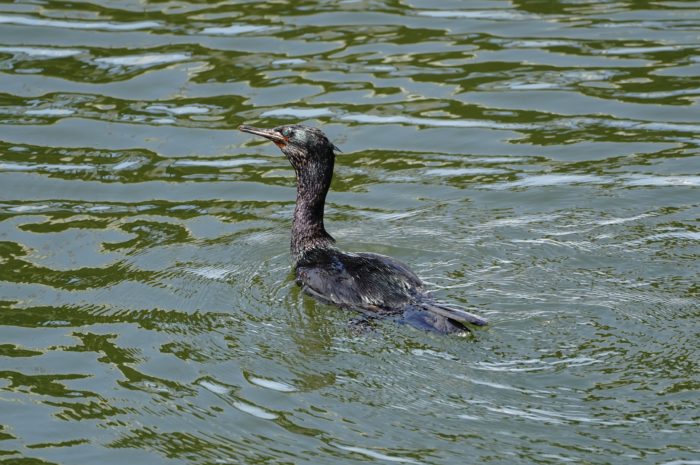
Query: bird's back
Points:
[358, 280]
[377, 285]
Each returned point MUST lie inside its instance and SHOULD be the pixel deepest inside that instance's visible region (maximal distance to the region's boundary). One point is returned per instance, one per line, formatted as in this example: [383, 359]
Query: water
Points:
[537, 162]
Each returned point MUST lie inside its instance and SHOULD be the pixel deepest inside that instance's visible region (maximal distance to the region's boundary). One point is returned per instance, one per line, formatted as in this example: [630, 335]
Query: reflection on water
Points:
[536, 162]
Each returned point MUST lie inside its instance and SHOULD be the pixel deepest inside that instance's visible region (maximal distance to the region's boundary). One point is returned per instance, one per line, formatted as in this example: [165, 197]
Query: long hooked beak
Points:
[270, 134]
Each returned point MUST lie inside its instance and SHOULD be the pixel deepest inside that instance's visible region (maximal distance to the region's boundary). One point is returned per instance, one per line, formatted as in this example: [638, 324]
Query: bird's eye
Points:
[286, 132]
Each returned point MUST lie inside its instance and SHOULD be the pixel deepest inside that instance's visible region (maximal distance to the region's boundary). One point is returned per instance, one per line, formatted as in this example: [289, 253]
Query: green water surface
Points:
[537, 162]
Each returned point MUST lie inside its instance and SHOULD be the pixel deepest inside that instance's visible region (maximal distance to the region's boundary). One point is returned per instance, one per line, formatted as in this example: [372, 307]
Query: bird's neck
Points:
[308, 232]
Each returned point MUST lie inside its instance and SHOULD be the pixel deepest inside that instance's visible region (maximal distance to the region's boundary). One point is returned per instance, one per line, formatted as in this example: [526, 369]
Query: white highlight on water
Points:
[375, 455]
[475, 14]
[274, 385]
[163, 121]
[449, 123]
[42, 52]
[220, 163]
[289, 61]
[554, 180]
[254, 410]
[210, 272]
[233, 29]
[126, 164]
[144, 60]
[654, 180]
[299, 112]
[9, 166]
[636, 50]
[50, 112]
[462, 171]
[24, 21]
[184, 110]
[214, 387]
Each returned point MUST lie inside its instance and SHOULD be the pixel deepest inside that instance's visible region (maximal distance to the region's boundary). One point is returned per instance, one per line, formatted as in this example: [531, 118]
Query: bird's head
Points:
[302, 145]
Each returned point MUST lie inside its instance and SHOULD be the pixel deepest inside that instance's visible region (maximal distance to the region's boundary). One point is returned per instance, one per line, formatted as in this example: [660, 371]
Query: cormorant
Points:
[375, 285]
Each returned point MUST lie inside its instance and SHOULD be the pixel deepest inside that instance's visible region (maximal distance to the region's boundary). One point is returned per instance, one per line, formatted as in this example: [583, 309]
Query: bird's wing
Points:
[364, 281]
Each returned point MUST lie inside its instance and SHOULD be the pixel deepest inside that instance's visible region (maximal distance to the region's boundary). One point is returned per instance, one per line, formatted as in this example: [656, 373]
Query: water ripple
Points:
[536, 162]
[41, 52]
[40, 22]
[143, 60]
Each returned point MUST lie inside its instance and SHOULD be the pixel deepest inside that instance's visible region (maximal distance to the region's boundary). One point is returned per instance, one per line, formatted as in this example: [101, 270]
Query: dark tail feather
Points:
[440, 318]
[454, 313]
[422, 319]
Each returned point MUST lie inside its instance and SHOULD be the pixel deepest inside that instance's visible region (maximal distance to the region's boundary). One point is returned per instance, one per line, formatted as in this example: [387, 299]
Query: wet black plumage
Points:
[376, 285]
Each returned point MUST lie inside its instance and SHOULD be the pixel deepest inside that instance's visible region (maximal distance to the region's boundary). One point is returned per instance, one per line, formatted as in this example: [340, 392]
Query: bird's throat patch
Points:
[281, 144]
